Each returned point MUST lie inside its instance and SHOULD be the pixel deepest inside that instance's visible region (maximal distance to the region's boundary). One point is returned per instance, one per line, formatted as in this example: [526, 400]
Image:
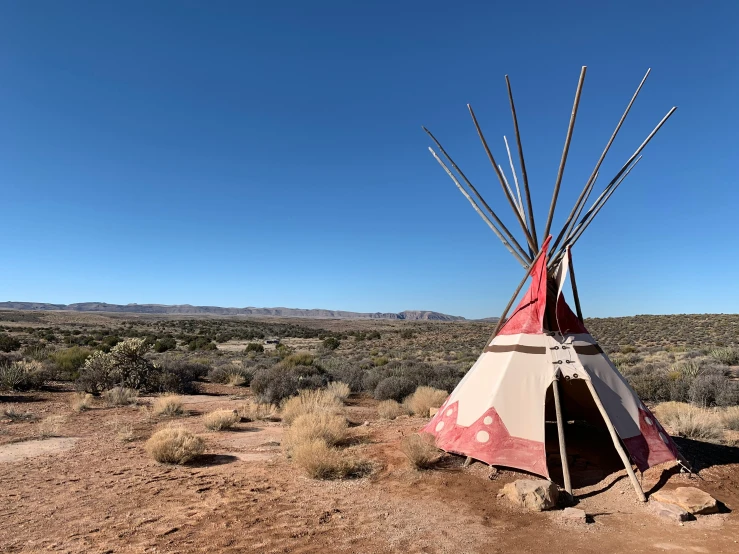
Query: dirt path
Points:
[102, 495]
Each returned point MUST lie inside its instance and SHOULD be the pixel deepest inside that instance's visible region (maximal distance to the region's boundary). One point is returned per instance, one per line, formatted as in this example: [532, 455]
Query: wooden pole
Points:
[500, 178]
[561, 435]
[515, 294]
[502, 226]
[587, 220]
[582, 199]
[617, 442]
[515, 178]
[521, 260]
[524, 175]
[565, 150]
[573, 282]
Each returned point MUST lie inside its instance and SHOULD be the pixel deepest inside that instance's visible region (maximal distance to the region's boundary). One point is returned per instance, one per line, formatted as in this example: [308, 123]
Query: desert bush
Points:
[726, 356]
[298, 359]
[649, 386]
[310, 401]
[50, 426]
[421, 450]
[330, 427]
[132, 369]
[254, 347]
[338, 389]
[390, 409]
[331, 343]
[406, 334]
[423, 399]
[167, 405]
[729, 394]
[706, 389]
[690, 421]
[174, 445]
[229, 373]
[177, 375]
[164, 344]
[395, 388]
[97, 373]
[8, 343]
[69, 361]
[320, 461]
[220, 420]
[258, 411]
[281, 381]
[22, 375]
[120, 396]
[81, 401]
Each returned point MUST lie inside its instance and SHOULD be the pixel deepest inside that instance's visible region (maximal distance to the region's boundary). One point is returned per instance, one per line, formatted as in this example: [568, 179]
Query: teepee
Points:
[541, 358]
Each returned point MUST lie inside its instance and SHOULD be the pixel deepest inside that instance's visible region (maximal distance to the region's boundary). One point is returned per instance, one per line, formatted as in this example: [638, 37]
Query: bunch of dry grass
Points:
[421, 450]
[174, 445]
[310, 401]
[120, 396]
[339, 390]
[220, 420]
[259, 411]
[320, 461]
[50, 426]
[14, 414]
[235, 380]
[690, 421]
[329, 427]
[167, 405]
[730, 418]
[423, 399]
[81, 401]
[123, 431]
[390, 409]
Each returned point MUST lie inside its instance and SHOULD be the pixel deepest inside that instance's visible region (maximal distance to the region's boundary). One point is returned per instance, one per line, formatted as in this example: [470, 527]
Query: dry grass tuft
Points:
[235, 380]
[259, 411]
[339, 390]
[50, 426]
[310, 401]
[168, 405]
[81, 401]
[424, 398]
[120, 396]
[690, 421]
[123, 431]
[12, 413]
[730, 418]
[320, 461]
[421, 450]
[174, 445]
[390, 409]
[329, 427]
[220, 420]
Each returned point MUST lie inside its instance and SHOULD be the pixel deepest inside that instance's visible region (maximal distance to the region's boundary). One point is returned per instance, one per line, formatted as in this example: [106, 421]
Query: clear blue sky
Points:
[271, 154]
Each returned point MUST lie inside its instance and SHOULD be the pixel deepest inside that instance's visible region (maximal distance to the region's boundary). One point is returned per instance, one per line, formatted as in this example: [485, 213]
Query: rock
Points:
[533, 494]
[672, 512]
[433, 411]
[690, 499]
[575, 515]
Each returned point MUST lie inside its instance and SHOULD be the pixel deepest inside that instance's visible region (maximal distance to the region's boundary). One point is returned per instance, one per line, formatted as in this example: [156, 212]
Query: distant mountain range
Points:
[187, 309]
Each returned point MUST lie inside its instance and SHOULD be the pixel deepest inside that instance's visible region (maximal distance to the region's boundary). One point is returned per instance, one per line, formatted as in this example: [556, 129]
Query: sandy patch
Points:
[29, 449]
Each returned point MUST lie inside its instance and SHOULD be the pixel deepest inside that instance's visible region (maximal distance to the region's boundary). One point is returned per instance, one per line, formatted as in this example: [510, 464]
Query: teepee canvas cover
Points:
[496, 413]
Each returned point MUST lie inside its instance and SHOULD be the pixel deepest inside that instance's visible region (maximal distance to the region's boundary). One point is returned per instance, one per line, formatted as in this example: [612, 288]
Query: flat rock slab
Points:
[690, 499]
[533, 494]
[574, 515]
[671, 512]
[29, 449]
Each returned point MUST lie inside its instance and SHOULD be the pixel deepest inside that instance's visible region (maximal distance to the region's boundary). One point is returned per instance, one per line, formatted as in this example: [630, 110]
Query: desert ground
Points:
[75, 475]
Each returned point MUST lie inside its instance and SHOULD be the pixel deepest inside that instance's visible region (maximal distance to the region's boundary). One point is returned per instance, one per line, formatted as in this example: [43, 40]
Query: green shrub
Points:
[22, 375]
[225, 373]
[97, 373]
[706, 389]
[254, 347]
[331, 343]
[201, 343]
[298, 359]
[394, 388]
[69, 360]
[164, 344]
[273, 384]
[650, 387]
[725, 356]
[8, 343]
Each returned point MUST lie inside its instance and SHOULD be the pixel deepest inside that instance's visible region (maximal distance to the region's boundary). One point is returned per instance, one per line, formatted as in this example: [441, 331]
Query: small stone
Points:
[433, 411]
[672, 512]
[533, 494]
[690, 499]
[575, 515]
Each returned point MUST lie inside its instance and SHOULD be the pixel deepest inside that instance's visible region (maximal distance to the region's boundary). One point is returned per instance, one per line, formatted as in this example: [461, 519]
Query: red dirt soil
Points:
[101, 495]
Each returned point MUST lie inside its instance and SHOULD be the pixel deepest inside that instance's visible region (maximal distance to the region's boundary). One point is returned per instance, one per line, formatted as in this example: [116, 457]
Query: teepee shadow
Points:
[702, 455]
